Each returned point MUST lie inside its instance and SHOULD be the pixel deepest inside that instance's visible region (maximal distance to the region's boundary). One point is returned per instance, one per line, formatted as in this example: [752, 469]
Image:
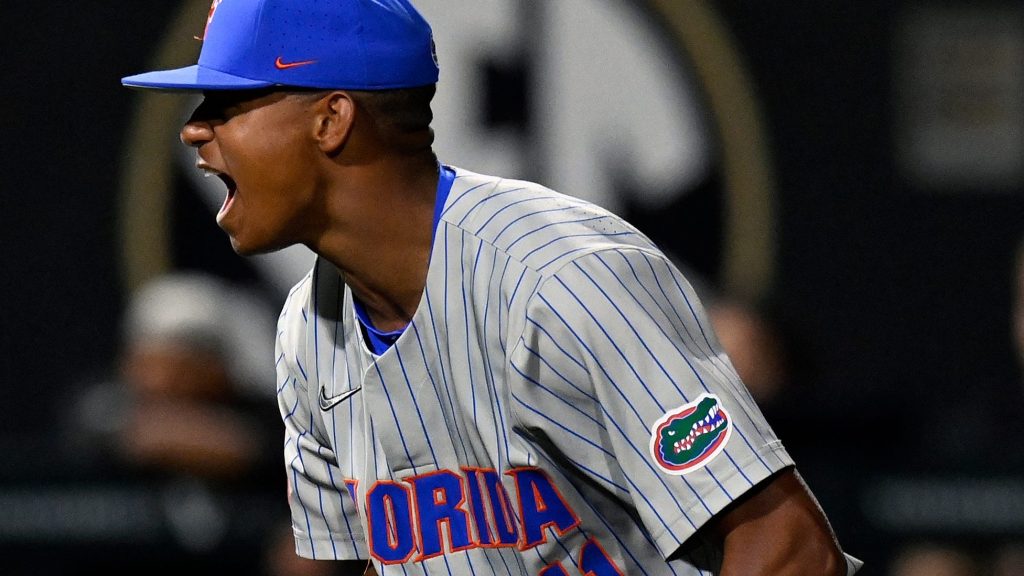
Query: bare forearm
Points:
[780, 531]
[790, 559]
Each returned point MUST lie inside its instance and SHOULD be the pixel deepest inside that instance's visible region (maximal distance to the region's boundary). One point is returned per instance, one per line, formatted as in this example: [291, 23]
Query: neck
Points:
[378, 232]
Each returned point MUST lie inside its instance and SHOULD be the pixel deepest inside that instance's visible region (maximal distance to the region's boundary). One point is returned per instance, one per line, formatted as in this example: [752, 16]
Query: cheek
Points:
[283, 192]
[279, 169]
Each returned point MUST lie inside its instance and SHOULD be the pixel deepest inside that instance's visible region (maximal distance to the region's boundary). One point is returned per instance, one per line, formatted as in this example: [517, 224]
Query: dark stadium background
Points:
[900, 294]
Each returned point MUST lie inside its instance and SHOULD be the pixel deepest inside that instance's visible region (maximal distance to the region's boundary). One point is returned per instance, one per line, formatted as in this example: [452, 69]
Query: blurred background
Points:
[842, 180]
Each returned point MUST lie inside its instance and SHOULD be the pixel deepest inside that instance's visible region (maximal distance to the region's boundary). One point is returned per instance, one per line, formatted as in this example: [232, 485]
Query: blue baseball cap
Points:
[345, 44]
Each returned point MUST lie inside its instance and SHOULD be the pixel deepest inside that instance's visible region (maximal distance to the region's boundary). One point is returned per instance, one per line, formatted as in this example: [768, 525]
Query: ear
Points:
[335, 118]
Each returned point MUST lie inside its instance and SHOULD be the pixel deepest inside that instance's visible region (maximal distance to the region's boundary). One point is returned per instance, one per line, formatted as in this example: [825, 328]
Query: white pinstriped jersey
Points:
[525, 422]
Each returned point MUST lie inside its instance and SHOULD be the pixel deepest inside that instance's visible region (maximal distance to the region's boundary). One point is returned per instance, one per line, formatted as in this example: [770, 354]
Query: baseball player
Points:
[479, 375]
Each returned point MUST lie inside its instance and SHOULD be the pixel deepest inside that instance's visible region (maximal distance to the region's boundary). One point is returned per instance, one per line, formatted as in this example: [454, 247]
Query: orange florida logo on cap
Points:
[209, 18]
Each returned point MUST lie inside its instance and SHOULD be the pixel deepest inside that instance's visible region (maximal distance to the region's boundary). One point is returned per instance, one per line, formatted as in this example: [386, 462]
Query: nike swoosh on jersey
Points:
[328, 403]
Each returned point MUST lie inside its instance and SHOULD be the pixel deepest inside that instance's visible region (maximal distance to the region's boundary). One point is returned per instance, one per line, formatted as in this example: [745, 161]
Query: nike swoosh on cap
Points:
[328, 403]
[282, 65]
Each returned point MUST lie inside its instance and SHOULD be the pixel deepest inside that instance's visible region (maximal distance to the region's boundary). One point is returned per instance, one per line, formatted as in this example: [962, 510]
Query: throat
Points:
[388, 304]
[378, 338]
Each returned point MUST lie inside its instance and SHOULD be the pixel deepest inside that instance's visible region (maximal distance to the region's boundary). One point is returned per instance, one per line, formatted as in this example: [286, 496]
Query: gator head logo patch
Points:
[685, 439]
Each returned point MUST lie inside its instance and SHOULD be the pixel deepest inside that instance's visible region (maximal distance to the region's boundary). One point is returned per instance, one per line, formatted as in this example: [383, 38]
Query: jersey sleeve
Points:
[619, 367]
[324, 515]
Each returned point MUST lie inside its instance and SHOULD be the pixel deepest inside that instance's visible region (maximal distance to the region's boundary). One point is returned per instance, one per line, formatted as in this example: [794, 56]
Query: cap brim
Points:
[191, 78]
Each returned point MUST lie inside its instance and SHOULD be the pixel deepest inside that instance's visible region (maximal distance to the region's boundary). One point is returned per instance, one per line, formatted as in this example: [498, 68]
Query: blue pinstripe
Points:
[565, 549]
[291, 411]
[642, 342]
[502, 209]
[334, 548]
[515, 290]
[533, 231]
[563, 427]
[466, 333]
[686, 358]
[581, 251]
[444, 378]
[391, 476]
[316, 367]
[319, 492]
[339, 299]
[626, 401]
[284, 385]
[728, 374]
[597, 513]
[309, 526]
[636, 490]
[489, 198]
[490, 373]
[394, 415]
[419, 413]
[501, 282]
[452, 203]
[554, 342]
[599, 326]
[557, 397]
[728, 378]
[732, 377]
[574, 461]
[494, 239]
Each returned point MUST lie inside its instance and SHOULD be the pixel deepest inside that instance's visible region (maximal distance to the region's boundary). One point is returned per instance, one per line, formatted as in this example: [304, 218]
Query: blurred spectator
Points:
[776, 373]
[752, 341]
[763, 356]
[934, 560]
[190, 411]
[1008, 560]
[754, 346]
[194, 388]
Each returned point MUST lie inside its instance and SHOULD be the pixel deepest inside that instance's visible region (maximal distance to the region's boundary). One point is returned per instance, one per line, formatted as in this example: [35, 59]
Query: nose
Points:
[196, 132]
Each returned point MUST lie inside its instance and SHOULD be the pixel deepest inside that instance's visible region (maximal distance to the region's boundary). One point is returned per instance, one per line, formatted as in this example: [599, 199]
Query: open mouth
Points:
[229, 183]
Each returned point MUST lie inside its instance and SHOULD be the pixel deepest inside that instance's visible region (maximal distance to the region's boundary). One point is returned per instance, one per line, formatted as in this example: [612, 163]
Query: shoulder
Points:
[295, 313]
[535, 225]
[299, 296]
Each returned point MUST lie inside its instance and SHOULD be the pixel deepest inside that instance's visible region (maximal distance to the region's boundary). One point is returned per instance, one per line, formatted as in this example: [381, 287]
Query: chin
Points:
[249, 248]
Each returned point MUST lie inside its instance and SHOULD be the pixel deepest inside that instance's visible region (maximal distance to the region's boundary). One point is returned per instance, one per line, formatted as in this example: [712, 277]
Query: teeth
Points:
[207, 170]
